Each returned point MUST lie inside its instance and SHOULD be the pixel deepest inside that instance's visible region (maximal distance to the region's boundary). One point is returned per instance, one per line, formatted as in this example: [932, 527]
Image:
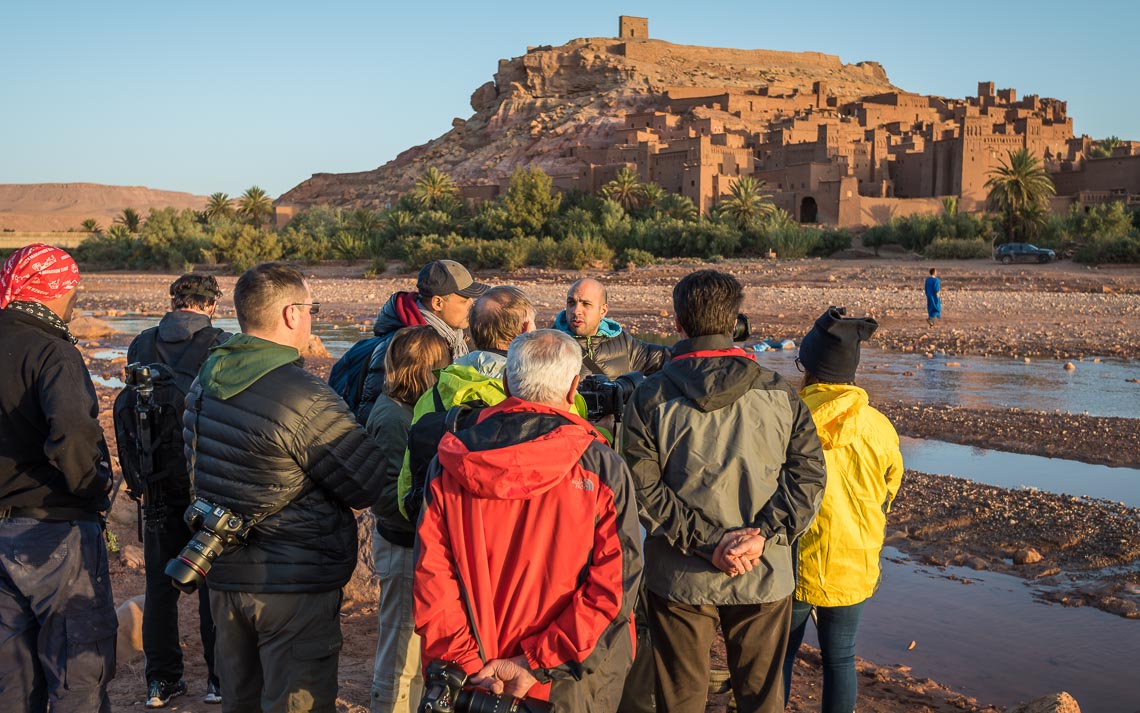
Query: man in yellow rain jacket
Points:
[839, 553]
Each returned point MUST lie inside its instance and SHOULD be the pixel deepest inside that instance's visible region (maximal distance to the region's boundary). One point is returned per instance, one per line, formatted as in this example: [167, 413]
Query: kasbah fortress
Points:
[835, 144]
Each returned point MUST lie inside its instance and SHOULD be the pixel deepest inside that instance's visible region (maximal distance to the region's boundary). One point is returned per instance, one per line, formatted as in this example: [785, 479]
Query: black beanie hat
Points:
[830, 351]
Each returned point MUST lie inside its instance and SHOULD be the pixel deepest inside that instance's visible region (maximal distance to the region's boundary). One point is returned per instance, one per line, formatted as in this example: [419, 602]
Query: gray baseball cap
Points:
[447, 277]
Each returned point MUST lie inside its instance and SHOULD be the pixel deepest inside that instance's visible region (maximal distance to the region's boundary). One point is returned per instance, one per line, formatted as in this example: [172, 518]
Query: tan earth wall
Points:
[12, 241]
[875, 211]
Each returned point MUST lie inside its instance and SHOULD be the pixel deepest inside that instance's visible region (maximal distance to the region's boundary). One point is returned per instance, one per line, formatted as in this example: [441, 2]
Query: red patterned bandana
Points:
[37, 273]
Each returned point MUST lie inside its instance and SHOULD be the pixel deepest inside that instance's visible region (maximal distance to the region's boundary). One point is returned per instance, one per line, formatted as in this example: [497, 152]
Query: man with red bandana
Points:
[57, 617]
[528, 555]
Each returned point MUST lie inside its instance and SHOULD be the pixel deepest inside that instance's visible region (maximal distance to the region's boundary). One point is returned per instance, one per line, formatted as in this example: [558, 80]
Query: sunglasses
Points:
[799, 365]
[314, 307]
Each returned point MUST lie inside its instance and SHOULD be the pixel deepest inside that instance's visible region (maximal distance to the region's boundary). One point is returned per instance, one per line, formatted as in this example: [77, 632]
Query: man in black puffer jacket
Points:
[273, 443]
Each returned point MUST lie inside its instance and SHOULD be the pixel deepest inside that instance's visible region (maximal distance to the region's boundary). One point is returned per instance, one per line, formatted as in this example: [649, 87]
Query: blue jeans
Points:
[836, 629]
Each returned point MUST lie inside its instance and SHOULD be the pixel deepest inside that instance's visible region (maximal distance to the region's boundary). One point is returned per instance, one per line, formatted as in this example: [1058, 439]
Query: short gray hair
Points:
[542, 364]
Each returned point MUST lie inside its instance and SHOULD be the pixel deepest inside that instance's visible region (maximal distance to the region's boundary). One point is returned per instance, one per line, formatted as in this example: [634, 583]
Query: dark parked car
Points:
[1023, 252]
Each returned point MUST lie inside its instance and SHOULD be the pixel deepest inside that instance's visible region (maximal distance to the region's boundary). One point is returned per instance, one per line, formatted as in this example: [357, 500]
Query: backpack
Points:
[172, 379]
[349, 373]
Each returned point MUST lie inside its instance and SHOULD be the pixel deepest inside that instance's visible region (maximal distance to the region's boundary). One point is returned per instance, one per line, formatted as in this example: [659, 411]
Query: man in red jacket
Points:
[528, 556]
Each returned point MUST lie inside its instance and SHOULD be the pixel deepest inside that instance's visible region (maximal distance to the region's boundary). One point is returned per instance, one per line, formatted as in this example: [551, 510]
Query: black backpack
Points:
[172, 379]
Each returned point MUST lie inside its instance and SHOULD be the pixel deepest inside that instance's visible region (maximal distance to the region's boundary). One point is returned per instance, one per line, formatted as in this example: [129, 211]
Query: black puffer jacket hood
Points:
[181, 326]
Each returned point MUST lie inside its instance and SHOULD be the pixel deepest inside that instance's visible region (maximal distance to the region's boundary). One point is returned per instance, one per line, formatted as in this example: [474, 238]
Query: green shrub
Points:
[634, 256]
[958, 249]
[580, 253]
[830, 242]
[1123, 249]
[247, 247]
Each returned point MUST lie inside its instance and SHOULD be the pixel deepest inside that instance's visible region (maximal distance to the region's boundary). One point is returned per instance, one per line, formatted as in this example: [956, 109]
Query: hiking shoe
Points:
[213, 693]
[159, 693]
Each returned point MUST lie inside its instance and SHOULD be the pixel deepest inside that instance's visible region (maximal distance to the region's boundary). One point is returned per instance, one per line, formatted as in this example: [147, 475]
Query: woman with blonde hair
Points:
[838, 564]
[414, 355]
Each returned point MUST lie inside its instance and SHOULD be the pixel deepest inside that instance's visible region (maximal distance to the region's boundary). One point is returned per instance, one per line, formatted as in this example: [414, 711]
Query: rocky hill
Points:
[63, 206]
[552, 99]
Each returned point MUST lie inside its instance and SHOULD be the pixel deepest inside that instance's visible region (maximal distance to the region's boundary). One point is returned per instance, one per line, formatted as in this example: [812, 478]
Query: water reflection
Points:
[1098, 388]
[1016, 470]
[992, 640]
[337, 339]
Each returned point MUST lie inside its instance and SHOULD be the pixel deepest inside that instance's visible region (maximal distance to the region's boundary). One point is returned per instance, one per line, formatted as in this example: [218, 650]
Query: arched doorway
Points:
[809, 211]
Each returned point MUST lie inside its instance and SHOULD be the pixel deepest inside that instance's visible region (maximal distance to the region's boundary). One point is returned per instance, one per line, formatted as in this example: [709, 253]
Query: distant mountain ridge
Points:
[28, 207]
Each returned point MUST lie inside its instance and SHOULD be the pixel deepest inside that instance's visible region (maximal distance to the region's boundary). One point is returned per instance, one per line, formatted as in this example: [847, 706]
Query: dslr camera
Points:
[444, 692]
[215, 528]
[604, 397]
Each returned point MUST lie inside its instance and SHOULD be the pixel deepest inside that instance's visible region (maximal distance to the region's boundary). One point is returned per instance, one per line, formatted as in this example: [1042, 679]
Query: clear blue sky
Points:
[217, 96]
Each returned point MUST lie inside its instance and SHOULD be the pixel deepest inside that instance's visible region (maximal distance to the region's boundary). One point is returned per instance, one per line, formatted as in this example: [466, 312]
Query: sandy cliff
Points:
[63, 206]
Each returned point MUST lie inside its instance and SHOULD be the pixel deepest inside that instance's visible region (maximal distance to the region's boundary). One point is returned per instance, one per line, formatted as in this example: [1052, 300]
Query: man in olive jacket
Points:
[276, 445]
[728, 471]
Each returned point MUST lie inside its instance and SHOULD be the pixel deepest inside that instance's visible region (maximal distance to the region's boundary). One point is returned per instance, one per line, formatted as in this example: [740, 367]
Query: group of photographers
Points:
[507, 540]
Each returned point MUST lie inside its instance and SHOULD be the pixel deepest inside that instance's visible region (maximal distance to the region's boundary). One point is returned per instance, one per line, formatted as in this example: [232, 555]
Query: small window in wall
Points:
[692, 183]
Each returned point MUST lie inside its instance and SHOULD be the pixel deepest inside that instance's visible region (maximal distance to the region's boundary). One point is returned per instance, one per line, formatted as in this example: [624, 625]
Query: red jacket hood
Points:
[517, 467]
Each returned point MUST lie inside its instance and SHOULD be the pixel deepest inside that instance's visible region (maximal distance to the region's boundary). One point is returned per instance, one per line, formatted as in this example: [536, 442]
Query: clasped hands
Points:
[511, 676]
[738, 551]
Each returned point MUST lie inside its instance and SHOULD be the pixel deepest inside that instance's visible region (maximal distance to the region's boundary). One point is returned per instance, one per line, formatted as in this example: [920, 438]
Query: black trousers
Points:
[755, 637]
[281, 651]
[164, 536]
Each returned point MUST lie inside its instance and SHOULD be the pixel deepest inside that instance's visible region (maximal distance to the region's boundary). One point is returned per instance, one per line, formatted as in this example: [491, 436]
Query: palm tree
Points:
[255, 206]
[130, 219]
[651, 197]
[679, 207]
[1104, 147]
[748, 202]
[1016, 187]
[118, 231]
[91, 226]
[625, 189]
[433, 187]
[219, 206]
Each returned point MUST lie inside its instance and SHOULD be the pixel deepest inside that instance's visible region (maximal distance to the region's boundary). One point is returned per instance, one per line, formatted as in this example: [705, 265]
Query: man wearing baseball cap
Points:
[444, 294]
[57, 616]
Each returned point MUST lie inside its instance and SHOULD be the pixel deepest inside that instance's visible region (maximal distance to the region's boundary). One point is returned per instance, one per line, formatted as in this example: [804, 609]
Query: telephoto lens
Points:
[193, 563]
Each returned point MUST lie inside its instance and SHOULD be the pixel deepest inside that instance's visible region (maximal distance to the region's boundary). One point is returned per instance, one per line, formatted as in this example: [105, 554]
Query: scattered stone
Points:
[1027, 556]
[908, 373]
[129, 644]
[977, 563]
[84, 327]
[912, 645]
[1054, 703]
[316, 348]
[1070, 366]
[132, 556]
[953, 363]
[1027, 360]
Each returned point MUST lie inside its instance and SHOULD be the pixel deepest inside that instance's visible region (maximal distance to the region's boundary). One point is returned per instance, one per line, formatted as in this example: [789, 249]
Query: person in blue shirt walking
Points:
[933, 297]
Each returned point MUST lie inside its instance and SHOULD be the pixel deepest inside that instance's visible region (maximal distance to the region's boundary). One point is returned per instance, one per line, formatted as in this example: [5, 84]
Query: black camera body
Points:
[604, 397]
[444, 692]
[215, 528]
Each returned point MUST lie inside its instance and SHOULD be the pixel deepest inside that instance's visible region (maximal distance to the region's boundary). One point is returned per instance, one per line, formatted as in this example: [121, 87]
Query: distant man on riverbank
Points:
[180, 343]
[606, 347]
[933, 291]
[57, 615]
